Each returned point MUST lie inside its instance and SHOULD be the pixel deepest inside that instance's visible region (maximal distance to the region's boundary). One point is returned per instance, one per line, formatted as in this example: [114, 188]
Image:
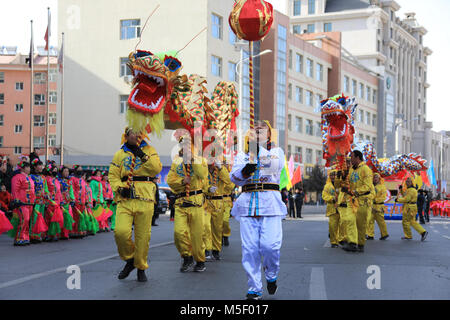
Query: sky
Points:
[15, 16]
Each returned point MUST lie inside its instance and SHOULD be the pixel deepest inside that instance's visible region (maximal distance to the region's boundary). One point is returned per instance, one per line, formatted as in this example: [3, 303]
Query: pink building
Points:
[15, 78]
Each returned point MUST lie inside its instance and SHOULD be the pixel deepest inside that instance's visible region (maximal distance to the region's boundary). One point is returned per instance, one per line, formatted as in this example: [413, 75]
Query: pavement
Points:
[394, 269]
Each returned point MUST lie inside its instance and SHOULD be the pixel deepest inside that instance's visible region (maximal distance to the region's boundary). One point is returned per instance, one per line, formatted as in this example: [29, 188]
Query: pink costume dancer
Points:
[53, 213]
[67, 201]
[79, 190]
[108, 197]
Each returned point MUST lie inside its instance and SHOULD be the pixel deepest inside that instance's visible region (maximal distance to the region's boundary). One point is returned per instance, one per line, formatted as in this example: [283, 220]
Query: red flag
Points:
[46, 40]
[48, 32]
[297, 177]
[425, 179]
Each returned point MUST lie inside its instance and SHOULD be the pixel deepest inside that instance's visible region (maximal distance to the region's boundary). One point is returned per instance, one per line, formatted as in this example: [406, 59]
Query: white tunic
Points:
[261, 203]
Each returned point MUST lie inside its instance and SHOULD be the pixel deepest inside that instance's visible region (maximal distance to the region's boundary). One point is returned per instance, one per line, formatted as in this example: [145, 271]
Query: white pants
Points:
[261, 238]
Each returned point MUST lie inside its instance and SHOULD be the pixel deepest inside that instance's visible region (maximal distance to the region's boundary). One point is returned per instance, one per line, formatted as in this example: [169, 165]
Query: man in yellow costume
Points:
[409, 200]
[186, 179]
[330, 196]
[218, 177]
[377, 213]
[135, 201]
[227, 206]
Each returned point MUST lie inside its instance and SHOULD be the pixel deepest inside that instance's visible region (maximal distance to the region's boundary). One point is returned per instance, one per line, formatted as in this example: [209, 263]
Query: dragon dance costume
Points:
[227, 206]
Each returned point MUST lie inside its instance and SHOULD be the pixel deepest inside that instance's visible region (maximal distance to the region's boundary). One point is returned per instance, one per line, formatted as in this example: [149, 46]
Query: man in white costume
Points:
[259, 209]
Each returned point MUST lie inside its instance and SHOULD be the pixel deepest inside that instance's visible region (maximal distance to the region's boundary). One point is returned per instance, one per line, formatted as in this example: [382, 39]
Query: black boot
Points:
[141, 277]
[216, 255]
[127, 269]
[360, 248]
[226, 243]
[187, 264]
[351, 247]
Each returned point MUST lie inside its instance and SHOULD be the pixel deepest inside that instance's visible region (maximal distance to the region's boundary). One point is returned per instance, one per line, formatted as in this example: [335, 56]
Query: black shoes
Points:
[127, 269]
[405, 238]
[225, 241]
[350, 247]
[369, 238]
[208, 255]
[253, 296]
[141, 277]
[216, 255]
[424, 236]
[199, 267]
[360, 248]
[272, 287]
[334, 246]
[343, 243]
[155, 224]
[187, 264]
[384, 238]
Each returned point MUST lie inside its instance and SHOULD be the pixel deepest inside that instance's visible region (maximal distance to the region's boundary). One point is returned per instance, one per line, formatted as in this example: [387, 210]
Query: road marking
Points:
[63, 269]
[446, 237]
[435, 231]
[317, 289]
[327, 244]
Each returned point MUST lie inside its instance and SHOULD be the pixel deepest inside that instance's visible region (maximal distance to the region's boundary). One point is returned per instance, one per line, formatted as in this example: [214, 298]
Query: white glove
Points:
[218, 165]
[212, 189]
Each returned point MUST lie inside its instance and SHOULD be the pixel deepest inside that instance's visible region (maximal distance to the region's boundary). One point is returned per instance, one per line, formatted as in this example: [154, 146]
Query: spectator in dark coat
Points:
[299, 196]
[421, 205]
[291, 208]
[5, 176]
[156, 211]
[427, 205]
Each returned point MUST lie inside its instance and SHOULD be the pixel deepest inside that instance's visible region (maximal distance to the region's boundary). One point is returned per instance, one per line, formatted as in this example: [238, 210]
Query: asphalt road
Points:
[310, 268]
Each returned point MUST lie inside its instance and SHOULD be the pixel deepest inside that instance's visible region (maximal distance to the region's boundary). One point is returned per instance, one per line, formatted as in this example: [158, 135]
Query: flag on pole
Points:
[61, 58]
[285, 179]
[31, 54]
[48, 32]
[291, 166]
[425, 179]
[297, 177]
[431, 175]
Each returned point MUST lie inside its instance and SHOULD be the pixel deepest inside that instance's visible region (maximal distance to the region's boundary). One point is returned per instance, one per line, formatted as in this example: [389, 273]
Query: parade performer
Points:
[67, 201]
[259, 209]
[42, 196]
[227, 205]
[108, 196]
[409, 200]
[89, 205]
[80, 226]
[330, 196]
[98, 210]
[53, 213]
[347, 232]
[377, 213]
[5, 224]
[22, 187]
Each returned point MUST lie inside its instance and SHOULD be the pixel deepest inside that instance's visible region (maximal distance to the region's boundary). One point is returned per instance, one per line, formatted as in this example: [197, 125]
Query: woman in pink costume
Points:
[79, 190]
[42, 195]
[67, 201]
[53, 213]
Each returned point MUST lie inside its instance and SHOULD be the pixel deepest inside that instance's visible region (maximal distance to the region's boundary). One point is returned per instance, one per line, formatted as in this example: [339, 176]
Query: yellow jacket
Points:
[199, 172]
[120, 167]
[410, 198]
[361, 181]
[222, 179]
[380, 196]
[328, 195]
[227, 190]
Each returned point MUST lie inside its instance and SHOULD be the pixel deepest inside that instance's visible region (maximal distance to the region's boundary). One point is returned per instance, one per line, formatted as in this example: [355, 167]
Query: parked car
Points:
[163, 204]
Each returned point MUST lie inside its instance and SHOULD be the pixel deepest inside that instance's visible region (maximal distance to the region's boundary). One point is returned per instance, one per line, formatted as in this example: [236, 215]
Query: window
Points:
[52, 119]
[318, 156]
[374, 120]
[309, 153]
[297, 7]
[19, 86]
[361, 137]
[311, 28]
[346, 84]
[123, 104]
[130, 29]
[231, 36]
[309, 127]
[2, 77]
[299, 63]
[289, 122]
[318, 129]
[361, 90]
[17, 150]
[290, 59]
[327, 27]
[354, 84]
[368, 138]
[19, 107]
[53, 97]
[298, 157]
[39, 121]
[290, 91]
[1, 142]
[124, 70]
[39, 99]
[232, 75]
[309, 98]
[319, 72]
[39, 142]
[52, 140]
[39, 78]
[1, 121]
[298, 124]
[309, 68]
[216, 26]
[297, 29]
[311, 6]
[368, 94]
[374, 96]
[216, 66]
[318, 99]
[18, 128]
[53, 75]
[361, 116]
[368, 118]
[374, 141]
[299, 94]
[2, 98]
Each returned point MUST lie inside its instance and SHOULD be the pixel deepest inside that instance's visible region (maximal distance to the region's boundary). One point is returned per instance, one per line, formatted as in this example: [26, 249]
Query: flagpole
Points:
[61, 154]
[31, 88]
[48, 86]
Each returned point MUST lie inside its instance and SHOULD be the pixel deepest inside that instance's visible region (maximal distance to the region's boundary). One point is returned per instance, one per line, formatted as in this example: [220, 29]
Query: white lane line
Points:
[446, 237]
[317, 289]
[63, 269]
[327, 244]
[435, 231]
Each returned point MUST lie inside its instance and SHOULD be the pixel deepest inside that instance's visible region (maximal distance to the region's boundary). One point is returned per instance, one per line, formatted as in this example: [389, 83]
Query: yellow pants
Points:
[214, 225]
[333, 227]
[349, 224]
[207, 237]
[342, 236]
[365, 206]
[140, 213]
[188, 232]
[377, 214]
[226, 230]
[409, 220]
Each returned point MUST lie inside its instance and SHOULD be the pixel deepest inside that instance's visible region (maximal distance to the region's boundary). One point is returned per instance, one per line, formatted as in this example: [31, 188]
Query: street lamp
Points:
[396, 128]
[242, 60]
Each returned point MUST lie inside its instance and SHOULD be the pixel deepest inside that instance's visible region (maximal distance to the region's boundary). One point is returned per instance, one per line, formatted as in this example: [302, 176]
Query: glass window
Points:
[374, 96]
[124, 70]
[299, 94]
[289, 122]
[18, 128]
[361, 116]
[298, 124]
[289, 150]
[19, 86]
[53, 75]
[309, 98]
[2, 77]
[290, 59]
[40, 78]
[232, 75]
[231, 35]
[311, 6]
[311, 28]
[123, 104]
[361, 137]
[319, 72]
[361, 90]
[318, 129]
[346, 84]
[39, 142]
[298, 156]
[39, 121]
[354, 84]
[53, 97]
[17, 150]
[216, 66]
[374, 120]
[1, 142]
[282, 56]
[52, 140]
[1, 120]
[290, 91]
[297, 29]
[52, 118]
[130, 29]
[309, 128]
[318, 99]
[318, 157]
[309, 153]
[297, 7]
[368, 118]
[19, 107]
[39, 99]
[2, 98]
[299, 63]
[216, 26]
[309, 68]
[327, 27]
[374, 141]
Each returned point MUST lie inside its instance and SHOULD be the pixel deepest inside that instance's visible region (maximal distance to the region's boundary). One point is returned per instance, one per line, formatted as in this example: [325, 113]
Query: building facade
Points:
[15, 117]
